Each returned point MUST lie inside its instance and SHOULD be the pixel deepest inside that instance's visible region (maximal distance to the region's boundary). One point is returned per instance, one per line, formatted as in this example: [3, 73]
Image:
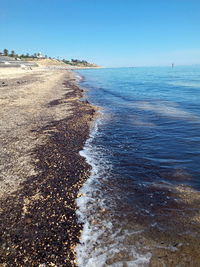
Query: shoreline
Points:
[38, 222]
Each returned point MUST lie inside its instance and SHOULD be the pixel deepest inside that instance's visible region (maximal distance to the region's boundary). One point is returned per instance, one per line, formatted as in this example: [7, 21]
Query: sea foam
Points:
[99, 240]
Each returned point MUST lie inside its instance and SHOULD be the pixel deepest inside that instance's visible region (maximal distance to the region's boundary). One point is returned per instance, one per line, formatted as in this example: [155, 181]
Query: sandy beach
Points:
[43, 127]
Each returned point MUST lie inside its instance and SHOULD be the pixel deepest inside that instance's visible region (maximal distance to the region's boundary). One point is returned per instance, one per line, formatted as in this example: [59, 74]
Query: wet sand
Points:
[44, 126]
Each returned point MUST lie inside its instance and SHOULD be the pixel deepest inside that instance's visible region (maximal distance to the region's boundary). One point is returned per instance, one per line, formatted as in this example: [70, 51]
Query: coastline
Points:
[38, 222]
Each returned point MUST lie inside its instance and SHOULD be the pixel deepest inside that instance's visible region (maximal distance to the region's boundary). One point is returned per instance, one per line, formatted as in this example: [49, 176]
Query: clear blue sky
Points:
[107, 32]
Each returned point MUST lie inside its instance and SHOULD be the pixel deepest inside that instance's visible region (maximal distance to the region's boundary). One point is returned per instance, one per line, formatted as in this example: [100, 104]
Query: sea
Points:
[141, 204]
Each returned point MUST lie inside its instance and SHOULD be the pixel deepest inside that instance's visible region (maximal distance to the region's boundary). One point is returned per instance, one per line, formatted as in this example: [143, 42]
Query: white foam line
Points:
[78, 77]
[94, 250]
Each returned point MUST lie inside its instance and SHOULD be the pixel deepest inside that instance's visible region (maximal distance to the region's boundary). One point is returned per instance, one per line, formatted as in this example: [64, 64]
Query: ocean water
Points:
[140, 206]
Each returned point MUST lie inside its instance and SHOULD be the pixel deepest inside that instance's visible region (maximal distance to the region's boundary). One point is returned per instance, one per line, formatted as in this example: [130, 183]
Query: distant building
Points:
[40, 55]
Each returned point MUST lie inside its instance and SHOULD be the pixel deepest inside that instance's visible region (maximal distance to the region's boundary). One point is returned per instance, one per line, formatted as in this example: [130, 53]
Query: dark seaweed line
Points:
[38, 224]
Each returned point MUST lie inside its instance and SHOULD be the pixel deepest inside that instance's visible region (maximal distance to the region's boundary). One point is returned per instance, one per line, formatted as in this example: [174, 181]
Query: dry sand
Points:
[43, 127]
[24, 102]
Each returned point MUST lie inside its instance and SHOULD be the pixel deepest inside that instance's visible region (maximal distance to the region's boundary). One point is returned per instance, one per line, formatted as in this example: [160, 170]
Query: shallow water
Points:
[140, 207]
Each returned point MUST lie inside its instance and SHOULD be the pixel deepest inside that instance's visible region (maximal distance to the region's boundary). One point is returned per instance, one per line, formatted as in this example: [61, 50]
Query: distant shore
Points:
[44, 126]
[8, 62]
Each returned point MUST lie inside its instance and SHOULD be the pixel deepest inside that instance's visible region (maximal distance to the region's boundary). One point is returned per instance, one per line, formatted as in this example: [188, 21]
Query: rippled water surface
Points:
[140, 207]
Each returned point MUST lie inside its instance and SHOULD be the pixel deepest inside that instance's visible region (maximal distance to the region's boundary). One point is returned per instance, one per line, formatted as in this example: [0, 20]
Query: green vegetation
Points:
[12, 53]
[5, 51]
[78, 63]
[24, 56]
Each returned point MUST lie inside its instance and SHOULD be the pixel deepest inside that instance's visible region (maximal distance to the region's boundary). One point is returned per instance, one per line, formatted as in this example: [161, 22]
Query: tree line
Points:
[73, 62]
[76, 62]
[13, 54]
[6, 53]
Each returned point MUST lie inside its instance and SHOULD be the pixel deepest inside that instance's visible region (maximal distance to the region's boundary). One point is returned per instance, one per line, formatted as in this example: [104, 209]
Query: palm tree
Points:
[12, 53]
[5, 51]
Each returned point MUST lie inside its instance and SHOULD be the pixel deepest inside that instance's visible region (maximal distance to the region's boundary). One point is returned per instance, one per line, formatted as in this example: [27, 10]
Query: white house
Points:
[40, 55]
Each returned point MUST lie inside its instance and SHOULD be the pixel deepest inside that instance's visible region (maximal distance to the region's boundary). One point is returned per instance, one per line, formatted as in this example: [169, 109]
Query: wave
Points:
[101, 242]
